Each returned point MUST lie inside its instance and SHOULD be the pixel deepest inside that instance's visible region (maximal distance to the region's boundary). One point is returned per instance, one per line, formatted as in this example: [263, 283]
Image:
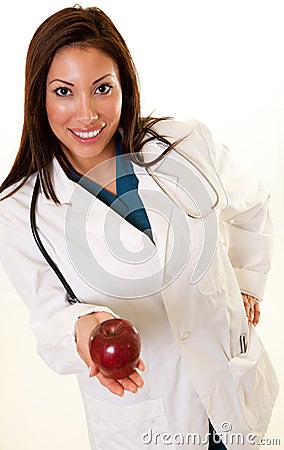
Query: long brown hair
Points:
[70, 26]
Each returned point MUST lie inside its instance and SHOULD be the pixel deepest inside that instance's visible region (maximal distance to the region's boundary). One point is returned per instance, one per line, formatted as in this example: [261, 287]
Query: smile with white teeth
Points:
[86, 134]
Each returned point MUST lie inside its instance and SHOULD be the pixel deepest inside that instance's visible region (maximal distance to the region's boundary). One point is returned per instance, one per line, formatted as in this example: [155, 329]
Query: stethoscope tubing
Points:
[71, 297]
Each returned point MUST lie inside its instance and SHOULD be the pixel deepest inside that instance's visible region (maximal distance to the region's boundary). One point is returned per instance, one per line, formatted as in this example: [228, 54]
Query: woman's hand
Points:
[251, 305]
[84, 327]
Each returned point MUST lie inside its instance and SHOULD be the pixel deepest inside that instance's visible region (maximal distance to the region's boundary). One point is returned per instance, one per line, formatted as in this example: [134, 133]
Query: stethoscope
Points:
[168, 146]
[139, 160]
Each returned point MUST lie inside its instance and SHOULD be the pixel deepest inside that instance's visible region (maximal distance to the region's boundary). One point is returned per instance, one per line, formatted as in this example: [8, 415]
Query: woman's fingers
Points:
[117, 387]
[136, 378]
[140, 365]
[252, 309]
[134, 381]
[246, 304]
[112, 385]
[256, 314]
[93, 370]
[131, 383]
[128, 384]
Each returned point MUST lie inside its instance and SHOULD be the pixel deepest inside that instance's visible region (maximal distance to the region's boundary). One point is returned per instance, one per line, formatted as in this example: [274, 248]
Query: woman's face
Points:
[83, 104]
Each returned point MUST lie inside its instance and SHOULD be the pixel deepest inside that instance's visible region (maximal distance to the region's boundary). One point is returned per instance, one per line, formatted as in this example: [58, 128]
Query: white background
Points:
[219, 61]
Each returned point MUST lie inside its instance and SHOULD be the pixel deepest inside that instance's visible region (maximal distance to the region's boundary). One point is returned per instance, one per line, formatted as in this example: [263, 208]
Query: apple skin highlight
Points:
[115, 347]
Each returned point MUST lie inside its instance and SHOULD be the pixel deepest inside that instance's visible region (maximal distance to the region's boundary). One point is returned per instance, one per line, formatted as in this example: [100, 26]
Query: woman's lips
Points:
[86, 136]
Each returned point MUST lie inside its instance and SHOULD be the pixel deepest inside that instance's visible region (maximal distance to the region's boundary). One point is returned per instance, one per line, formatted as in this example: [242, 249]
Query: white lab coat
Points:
[190, 329]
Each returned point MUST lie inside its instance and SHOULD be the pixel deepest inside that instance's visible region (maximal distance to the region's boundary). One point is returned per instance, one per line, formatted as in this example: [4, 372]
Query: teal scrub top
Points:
[127, 202]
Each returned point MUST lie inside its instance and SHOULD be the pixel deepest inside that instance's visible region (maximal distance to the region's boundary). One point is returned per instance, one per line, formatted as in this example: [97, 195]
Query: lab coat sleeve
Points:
[52, 318]
[246, 220]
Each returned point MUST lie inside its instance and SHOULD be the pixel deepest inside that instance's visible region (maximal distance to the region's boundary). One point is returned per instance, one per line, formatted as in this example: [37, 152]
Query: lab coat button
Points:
[185, 336]
[168, 279]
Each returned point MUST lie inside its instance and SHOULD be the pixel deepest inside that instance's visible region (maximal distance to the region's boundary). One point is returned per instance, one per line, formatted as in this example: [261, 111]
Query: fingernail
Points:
[133, 390]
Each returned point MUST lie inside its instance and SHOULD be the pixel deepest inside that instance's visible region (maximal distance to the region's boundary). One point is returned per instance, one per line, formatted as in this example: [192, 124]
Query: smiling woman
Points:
[96, 34]
[129, 250]
[83, 104]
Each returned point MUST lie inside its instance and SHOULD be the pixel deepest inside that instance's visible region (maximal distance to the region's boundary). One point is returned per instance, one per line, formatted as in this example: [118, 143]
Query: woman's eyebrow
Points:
[61, 81]
[71, 84]
[104, 76]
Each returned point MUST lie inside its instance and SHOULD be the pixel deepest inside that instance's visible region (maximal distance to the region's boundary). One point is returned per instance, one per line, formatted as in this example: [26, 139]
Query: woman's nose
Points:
[86, 112]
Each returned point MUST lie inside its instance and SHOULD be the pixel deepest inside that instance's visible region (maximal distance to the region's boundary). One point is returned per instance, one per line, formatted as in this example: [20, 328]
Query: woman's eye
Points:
[103, 89]
[62, 91]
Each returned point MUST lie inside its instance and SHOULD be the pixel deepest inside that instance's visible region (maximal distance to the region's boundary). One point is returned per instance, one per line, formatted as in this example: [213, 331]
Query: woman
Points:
[180, 247]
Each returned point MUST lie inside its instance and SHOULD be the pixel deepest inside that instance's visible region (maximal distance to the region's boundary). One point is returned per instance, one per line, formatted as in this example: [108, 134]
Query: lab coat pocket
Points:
[255, 382]
[137, 426]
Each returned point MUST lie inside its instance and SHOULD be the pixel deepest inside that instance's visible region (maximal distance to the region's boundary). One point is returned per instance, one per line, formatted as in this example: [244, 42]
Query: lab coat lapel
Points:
[158, 206]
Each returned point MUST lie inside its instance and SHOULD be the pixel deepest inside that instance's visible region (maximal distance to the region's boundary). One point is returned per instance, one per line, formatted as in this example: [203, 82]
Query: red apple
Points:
[115, 348]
